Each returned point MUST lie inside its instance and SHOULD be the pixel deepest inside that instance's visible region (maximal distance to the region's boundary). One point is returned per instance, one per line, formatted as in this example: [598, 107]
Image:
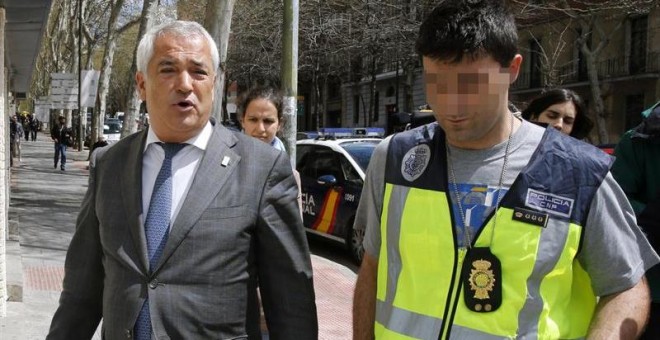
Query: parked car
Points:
[332, 175]
[306, 135]
[112, 129]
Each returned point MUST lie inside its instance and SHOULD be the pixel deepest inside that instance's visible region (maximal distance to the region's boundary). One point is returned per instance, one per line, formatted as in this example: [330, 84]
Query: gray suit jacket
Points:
[239, 227]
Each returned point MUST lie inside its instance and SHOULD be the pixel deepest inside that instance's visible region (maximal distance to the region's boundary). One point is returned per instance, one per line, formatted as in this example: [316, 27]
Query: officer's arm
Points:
[364, 301]
[622, 315]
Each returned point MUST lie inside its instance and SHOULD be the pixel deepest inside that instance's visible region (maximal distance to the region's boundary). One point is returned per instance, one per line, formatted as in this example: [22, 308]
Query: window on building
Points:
[535, 52]
[634, 108]
[638, 35]
[376, 106]
[390, 92]
[356, 109]
[334, 89]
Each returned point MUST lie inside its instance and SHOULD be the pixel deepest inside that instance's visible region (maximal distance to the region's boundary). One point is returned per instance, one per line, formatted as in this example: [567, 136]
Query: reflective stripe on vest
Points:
[416, 292]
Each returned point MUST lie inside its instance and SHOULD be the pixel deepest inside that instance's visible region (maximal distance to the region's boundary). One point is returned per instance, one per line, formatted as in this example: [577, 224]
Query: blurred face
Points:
[560, 116]
[178, 87]
[260, 120]
[469, 99]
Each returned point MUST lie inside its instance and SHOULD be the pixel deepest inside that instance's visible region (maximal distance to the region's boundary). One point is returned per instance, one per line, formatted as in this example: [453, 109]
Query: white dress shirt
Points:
[184, 167]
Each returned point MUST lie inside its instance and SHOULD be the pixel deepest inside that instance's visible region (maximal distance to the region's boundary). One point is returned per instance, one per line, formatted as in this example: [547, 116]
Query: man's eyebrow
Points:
[166, 62]
[199, 63]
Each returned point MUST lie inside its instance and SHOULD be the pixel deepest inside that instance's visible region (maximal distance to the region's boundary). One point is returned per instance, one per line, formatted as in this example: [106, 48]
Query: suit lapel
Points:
[211, 175]
[131, 187]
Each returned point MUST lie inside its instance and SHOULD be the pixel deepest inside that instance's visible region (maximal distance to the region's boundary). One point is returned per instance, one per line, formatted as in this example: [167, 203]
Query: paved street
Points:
[44, 204]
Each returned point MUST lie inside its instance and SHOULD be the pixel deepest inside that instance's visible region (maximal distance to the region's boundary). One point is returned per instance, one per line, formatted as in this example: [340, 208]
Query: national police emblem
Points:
[481, 279]
[415, 162]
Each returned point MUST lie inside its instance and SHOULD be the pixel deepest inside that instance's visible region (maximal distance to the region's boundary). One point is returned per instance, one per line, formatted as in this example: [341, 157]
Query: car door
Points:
[322, 182]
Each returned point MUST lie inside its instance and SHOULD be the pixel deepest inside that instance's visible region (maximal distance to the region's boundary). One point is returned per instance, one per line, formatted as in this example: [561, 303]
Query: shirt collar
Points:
[200, 141]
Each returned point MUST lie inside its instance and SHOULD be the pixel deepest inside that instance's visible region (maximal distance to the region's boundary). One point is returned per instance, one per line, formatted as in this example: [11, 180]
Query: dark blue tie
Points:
[157, 226]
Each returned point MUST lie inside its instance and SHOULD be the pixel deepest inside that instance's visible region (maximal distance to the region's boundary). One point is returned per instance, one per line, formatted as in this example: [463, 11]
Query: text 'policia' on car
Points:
[332, 168]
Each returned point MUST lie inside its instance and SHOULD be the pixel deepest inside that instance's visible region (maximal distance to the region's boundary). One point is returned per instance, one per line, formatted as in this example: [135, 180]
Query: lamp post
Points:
[81, 117]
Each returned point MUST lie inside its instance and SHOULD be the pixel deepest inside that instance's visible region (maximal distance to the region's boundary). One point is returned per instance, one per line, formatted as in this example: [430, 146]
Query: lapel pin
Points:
[225, 161]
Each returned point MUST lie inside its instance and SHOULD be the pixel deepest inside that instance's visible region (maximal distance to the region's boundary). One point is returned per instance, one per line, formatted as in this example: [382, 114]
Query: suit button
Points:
[129, 333]
[153, 284]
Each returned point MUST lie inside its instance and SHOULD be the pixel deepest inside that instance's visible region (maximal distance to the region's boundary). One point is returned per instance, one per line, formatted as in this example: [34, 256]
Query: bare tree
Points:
[106, 69]
[148, 18]
[218, 23]
[589, 17]
[255, 43]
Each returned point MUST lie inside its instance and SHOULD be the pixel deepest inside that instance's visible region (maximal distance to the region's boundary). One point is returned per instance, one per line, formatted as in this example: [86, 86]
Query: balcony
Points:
[607, 69]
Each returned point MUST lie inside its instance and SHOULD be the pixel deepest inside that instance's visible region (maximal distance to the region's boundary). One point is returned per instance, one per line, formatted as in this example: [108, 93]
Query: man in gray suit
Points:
[185, 262]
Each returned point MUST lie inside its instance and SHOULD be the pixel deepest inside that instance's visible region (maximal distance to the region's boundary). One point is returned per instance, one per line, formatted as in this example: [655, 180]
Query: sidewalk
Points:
[43, 207]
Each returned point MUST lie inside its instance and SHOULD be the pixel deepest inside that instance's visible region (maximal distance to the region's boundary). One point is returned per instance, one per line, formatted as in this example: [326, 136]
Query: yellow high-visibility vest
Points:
[546, 294]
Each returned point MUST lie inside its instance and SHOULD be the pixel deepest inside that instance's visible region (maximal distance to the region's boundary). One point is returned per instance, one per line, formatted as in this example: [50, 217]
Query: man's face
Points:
[178, 87]
[469, 99]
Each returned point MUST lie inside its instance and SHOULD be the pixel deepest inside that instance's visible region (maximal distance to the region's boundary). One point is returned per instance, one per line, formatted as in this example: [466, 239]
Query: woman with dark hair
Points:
[261, 114]
[561, 108]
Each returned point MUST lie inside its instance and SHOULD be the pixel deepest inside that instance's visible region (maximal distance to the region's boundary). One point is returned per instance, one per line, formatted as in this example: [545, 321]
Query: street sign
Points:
[90, 86]
[64, 89]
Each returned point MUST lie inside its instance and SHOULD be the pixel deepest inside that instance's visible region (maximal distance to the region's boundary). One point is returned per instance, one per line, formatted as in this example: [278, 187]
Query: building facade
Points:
[628, 65]
[628, 72]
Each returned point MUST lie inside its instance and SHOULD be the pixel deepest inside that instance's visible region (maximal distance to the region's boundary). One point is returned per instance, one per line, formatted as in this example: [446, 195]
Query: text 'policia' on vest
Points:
[537, 259]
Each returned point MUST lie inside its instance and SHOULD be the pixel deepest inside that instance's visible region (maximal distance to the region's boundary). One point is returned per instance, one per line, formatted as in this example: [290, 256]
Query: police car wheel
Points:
[354, 242]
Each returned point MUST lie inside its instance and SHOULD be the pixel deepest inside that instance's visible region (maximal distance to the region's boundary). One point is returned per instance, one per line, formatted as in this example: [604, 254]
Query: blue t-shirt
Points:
[478, 201]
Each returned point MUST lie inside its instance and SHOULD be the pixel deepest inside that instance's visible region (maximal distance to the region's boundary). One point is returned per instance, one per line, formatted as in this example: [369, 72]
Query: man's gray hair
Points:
[177, 28]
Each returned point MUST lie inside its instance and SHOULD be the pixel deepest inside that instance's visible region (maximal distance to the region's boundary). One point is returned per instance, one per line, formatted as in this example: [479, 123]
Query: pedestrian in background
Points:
[25, 120]
[100, 142]
[178, 249]
[34, 127]
[262, 118]
[15, 134]
[637, 170]
[562, 109]
[475, 228]
[61, 136]
[261, 114]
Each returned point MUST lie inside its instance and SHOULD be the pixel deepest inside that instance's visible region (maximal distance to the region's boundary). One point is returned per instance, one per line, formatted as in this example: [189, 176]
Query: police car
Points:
[332, 168]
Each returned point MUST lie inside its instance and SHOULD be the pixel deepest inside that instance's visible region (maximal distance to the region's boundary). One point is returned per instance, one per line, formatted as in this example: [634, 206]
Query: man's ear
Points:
[514, 68]
[140, 80]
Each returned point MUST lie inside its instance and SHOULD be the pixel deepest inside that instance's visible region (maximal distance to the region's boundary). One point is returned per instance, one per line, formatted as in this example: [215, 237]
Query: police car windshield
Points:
[361, 151]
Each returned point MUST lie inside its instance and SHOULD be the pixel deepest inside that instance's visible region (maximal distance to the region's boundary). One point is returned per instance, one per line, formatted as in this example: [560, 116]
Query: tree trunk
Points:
[70, 62]
[372, 93]
[313, 103]
[218, 23]
[591, 57]
[598, 105]
[106, 70]
[324, 100]
[408, 89]
[147, 20]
